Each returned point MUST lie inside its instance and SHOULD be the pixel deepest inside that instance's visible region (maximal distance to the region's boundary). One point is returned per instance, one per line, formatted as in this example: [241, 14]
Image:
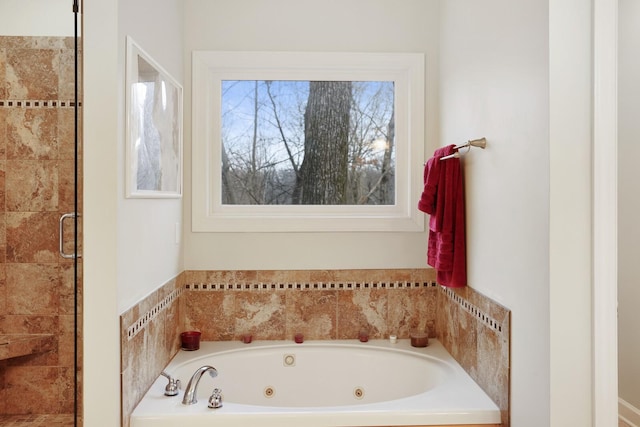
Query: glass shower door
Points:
[40, 290]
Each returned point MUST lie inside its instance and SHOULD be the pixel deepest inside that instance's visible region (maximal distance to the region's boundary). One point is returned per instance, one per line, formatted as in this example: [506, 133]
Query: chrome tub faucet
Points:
[190, 393]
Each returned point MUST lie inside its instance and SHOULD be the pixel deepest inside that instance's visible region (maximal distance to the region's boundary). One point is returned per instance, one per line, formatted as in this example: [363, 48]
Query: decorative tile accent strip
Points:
[306, 286]
[473, 310]
[147, 317]
[38, 103]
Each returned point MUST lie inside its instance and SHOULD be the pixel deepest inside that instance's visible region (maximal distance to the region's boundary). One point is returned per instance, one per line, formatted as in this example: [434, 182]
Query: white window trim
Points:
[406, 70]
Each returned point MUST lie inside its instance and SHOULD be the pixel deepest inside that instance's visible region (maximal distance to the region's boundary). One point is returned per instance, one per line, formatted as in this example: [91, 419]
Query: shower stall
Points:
[40, 263]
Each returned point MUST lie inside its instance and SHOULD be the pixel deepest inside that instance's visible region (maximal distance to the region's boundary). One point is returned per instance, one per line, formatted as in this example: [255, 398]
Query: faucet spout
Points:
[190, 393]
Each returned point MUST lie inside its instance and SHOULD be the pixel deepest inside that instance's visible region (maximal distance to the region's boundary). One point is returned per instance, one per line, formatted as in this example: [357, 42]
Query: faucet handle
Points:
[172, 387]
[215, 401]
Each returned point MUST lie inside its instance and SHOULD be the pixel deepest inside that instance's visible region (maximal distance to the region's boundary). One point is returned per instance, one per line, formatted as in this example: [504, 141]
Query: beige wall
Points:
[494, 83]
[289, 25]
[36, 18]
[148, 253]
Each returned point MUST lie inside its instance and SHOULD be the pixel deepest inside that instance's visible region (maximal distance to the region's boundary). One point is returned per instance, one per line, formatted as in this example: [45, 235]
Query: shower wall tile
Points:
[3, 290]
[65, 179]
[3, 391]
[3, 79]
[3, 237]
[4, 120]
[65, 67]
[65, 132]
[32, 133]
[28, 324]
[39, 193]
[67, 295]
[36, 184]
[33, 79]
[33, 289]
[32, 237]
[66, 330]
[30, 388]
[3, 184]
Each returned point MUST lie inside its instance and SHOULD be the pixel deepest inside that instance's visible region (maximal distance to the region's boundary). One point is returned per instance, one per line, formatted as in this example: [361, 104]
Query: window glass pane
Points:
[290, 142]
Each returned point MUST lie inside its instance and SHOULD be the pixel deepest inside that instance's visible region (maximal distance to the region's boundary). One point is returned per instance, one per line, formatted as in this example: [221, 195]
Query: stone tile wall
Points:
[475, 330]
[332, 304]
[150, 337]
[36, 187]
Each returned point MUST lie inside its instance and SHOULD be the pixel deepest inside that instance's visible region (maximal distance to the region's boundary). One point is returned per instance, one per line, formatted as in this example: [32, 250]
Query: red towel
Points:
[443, 199]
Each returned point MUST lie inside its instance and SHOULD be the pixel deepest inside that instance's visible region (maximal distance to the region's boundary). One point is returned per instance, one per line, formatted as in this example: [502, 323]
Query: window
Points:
[307, 141]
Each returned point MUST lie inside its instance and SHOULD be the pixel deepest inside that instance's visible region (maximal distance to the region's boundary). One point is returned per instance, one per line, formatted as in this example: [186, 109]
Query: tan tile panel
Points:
[30, 420]
[364, 309]
[33, 289]
[36, 78]
[482, 350]
[36, 287]
[32, 237]
[311, 313]
[31, 388]
[4, 120]
[32, 133]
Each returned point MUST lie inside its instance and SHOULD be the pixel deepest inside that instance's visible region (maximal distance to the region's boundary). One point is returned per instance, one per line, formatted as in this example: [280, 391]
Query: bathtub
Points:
[320, 383]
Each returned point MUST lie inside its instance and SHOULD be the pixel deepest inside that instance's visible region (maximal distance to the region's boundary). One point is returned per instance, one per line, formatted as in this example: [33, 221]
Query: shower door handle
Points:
[61, 223]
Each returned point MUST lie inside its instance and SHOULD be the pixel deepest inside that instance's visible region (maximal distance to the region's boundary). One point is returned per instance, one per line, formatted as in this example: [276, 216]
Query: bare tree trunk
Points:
[324, 168]
[253, 186]
[385, 181]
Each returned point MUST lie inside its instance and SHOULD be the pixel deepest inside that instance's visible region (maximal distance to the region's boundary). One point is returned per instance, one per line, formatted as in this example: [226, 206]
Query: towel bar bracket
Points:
[480, 143]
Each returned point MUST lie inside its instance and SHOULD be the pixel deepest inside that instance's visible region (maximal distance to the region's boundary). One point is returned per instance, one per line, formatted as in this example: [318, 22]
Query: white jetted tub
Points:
[319, 383]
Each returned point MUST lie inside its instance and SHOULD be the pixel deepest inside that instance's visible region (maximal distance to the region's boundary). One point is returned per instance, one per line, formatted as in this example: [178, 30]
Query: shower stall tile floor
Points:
[65, 420]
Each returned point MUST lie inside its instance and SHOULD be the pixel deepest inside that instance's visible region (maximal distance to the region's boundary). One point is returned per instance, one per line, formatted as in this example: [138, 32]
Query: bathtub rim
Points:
[481, 411]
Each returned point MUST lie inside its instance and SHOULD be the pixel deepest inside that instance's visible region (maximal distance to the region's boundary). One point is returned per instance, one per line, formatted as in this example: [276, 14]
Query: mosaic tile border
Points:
[473, 310]
[306, 286]
[147, 317]
[38, 103]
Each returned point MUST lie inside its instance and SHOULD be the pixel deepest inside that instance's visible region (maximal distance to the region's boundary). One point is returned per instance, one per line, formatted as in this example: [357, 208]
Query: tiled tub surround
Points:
[327, 304]
[335, 304]
[150, 337]
[475, 330]
[36, 187]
